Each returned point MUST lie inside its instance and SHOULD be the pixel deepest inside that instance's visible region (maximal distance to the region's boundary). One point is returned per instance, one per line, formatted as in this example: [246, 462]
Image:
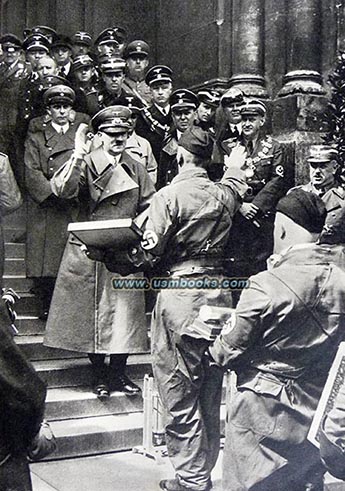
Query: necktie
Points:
[62, 131]
[250, 147]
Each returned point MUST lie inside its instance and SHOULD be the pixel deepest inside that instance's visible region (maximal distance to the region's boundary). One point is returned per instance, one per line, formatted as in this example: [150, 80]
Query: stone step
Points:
[14, 250]
[14, 266]
[34, 349]
[81, 402]
[97, 434]
[19, 283]
[101, 434]
[77, 372]
[27, 305]
[27, 325]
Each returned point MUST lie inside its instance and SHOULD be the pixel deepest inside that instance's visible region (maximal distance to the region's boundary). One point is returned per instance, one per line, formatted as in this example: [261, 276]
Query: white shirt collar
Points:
[57, 127]
[166, 109]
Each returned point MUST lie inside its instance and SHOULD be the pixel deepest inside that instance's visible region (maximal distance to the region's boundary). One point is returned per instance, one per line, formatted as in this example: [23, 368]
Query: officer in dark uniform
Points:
[81, 43]
[183, 104]
[49, 143]
[205, 114]
[268, 178]
[155, 121]
[109, 91]
[36, 46]
[137, 60]
[83, 80]
[12, 72]
[111, 42]
[188, 223]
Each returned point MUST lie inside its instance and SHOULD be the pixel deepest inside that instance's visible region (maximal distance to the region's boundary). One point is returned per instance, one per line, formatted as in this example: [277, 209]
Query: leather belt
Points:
[196, 263]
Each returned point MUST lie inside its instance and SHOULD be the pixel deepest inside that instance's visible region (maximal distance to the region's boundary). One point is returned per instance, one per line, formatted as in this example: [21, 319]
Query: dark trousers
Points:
[101, 372]
[15, 474]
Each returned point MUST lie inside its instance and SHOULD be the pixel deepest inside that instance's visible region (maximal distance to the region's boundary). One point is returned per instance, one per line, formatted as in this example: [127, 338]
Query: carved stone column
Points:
[248, 43]
[303, 48]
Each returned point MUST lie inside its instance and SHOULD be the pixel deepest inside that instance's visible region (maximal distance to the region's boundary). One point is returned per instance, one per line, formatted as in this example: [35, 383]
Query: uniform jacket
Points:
[192, 217]
[140, 149]
[138, 89]
[281, 343]
[168, 167]
[99, 98]
[10, 79]
[87, 314]
[48, 216]
[154, 126]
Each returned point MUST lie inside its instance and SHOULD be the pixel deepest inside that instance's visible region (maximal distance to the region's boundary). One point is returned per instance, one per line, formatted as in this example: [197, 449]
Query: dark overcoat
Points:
[87, 314]
[48, 216]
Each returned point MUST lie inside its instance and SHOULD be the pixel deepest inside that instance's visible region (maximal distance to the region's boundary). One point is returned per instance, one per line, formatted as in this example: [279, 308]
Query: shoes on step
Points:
[175, 485]
[122, 383]
[102, 392]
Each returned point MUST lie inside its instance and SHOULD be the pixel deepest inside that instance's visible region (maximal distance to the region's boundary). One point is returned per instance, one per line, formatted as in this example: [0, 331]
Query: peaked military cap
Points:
[47, 31]
[197, 141]
[232, 96]
[158, 73]
[137, 48]
[52, 80]
[62, 41]
[322, 153]
[10, 41]
[59, 93]
[36, 41]
[210, 97]
[112, 35]
[183, 98]
[112, 119]
[253, 106]
[132, 103]
[82, 37]
[82, 61]
[112, 64]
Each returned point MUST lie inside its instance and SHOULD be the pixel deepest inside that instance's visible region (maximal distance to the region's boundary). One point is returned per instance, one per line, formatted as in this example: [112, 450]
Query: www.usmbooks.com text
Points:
[200, 283]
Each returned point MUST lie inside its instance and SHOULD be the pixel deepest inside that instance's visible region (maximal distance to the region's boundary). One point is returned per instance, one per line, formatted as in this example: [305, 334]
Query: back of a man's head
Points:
[300, 219]
[195, 147]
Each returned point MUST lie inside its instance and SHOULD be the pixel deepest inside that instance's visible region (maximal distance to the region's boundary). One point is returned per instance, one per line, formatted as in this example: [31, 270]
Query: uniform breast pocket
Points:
[264, 169]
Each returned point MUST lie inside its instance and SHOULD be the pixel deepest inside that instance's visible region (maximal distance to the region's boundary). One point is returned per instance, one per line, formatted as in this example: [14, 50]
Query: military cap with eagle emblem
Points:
[82, 61]
[253, 106]
[183, 98]
[112, 119]
[10, 42]
[36, 41]
[83, 38]
[46, 31]
[137, 48]
[59, 93]
[113, 65]
[112, 35]
[232, 96]
[158, 73]
[210, 97]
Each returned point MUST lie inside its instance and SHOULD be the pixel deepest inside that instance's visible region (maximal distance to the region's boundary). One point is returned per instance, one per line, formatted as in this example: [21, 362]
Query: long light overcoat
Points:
[87, 314]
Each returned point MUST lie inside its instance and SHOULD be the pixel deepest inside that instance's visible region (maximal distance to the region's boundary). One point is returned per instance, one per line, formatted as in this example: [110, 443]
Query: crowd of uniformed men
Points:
[93, 133]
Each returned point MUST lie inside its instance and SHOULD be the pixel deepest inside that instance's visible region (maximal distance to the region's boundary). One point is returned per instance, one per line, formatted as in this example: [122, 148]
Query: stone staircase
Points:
[82, 424]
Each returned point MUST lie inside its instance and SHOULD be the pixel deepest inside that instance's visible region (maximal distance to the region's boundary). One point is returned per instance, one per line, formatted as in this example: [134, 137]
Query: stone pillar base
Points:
[302, 82]
[298, 122]
[251, 85]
